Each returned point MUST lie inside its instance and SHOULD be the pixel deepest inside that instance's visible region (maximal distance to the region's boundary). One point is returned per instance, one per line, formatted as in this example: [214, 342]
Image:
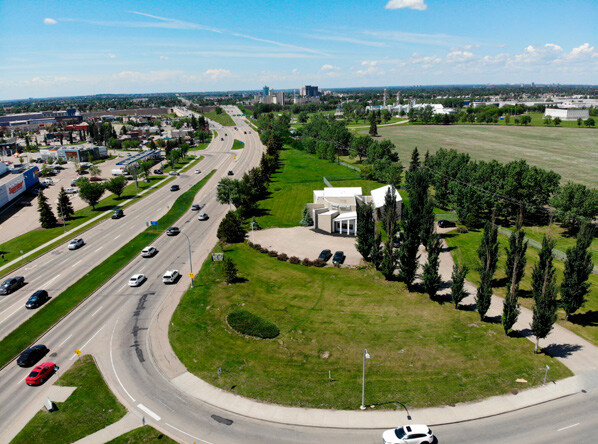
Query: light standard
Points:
[190, 261]
[366, 355]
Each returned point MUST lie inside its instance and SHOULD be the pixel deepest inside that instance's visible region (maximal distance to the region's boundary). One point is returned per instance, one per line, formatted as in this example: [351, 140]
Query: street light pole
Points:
[190, 261]
[366, 355]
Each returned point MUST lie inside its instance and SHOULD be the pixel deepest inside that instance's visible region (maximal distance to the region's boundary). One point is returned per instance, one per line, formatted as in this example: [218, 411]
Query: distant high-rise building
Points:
[310, 91]
[280, 98]
[266, 90]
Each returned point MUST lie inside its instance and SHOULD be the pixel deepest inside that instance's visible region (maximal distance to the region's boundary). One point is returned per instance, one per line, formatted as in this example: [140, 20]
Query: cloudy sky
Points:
[57, 48]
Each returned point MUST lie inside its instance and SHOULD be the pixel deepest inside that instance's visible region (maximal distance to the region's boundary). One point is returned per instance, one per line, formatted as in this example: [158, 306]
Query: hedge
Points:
[249, 324]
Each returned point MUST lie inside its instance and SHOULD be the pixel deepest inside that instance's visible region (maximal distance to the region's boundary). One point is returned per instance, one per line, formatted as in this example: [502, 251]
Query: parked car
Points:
[12, 284]
[174, 188]
[172, 231]
[158, 171]
[230, 172]
[174, 173]
[149, 251]
[32, 355]
[195, 207]
[338, 258]
[25, 203]
[409, 434]
[446, 224]
[197, 171]
[40, 373]
[76, 243]
[38, 298]
[170, 276]
[95, 179]
[325, 255]
[71, 191]
[47, 181]
[118, 213]
[136, 280]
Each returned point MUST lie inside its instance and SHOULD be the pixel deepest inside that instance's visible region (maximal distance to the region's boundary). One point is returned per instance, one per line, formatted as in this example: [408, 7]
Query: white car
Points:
[174, 173]
[202, 216]
[71, 191]
[148, 251]
[76, 243]
[409, 434]
[136, 280]
[170, 276]
[197, 171]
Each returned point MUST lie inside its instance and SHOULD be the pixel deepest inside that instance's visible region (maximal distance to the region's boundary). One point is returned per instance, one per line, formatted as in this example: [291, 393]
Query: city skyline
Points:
[74, 48]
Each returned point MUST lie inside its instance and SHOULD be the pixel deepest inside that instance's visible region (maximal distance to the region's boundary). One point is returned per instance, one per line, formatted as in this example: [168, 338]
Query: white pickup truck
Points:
[118, 172]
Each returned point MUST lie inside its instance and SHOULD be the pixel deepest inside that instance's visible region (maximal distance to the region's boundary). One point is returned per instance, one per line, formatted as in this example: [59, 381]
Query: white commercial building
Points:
[567, 113]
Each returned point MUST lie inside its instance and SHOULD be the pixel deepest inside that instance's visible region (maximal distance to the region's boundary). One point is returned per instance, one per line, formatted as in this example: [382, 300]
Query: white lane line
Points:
[88, 341]
[117, 237]
[18, 309]
[21, 380]
[31, 268]
[98, 249]
[47, 284]
[62, 343]
[75, 264]
[194, 437]
[148, 411]
[112, 361]
[568, 427]
[96, 311]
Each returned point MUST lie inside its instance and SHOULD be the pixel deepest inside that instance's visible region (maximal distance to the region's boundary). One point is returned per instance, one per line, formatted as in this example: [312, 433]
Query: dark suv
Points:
[12, 284]
[339, 257]
[174, 188]
[38, 298]
[32, 355]
[118, 214]
[325, 255]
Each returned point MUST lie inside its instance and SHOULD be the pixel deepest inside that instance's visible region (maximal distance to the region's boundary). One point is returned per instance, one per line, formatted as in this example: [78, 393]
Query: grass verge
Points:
[90, 408]
[58, 307]
[423, 353]
[223, 118]
[142, 434]
[238, 145]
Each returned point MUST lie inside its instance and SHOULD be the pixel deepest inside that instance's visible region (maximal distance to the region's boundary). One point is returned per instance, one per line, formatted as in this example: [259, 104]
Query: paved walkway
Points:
[127, 423]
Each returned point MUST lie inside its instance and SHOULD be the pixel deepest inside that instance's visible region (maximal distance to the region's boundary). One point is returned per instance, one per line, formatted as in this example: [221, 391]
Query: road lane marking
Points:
[88, 341]
[31, 268]
[50, 281]
[194, 437]
[18, 309]
[99, 249]
[96, 311]
[148, 411]
[62, 343]
[112, 361]
[76, 263]
[568, 427]
[117, 237]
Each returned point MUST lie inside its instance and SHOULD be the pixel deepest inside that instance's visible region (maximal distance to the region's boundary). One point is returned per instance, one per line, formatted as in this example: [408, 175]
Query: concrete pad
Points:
[59, 393]
[127, 423]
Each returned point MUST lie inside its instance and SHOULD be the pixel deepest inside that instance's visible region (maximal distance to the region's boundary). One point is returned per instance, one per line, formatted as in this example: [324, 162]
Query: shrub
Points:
[282, 257]
[264, 250]
[229, 270]
[250, 244]
[461, 230]
[294, 260]
[249, 324]
[258, 247]
[273, 253]
[319, 263]
[306, 262]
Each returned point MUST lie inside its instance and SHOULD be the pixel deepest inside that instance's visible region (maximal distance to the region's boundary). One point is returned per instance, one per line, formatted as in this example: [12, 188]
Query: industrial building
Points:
[39, 120]
[77, 153]
[567, 113]
[131, 161]
[13, 185]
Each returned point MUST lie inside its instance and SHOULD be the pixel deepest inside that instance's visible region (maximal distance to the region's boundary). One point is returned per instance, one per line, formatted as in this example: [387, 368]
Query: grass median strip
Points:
[238, 145]
[90, 408]
[58, 307]
[142, 434]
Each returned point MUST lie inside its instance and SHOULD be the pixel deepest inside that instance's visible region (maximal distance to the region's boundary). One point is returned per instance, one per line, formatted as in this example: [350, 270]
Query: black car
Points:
[32, 355]
[230, 172]
[195, 207]
[325, 255]
[446, 224]
[12, 284]
[338, 258]
[172, 231]
[38, 298]
[174, 188]
[222, 138]
[118, 214]
[158, 171]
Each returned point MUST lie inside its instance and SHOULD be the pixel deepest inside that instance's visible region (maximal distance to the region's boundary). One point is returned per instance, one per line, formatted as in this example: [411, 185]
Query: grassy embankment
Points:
[141, 435]
[238, 145]
[223, 118]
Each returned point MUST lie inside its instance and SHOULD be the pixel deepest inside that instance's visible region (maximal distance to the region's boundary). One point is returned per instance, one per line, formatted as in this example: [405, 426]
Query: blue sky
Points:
[56, 48]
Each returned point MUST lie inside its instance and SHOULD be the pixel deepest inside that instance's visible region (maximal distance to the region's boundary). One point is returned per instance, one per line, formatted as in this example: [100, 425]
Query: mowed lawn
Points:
[422, 353]
[584, 322]
[571, 152]
[292, 186]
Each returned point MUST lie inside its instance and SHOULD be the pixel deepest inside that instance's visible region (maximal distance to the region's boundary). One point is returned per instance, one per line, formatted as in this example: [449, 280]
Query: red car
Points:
[40, 373]
[95, 179]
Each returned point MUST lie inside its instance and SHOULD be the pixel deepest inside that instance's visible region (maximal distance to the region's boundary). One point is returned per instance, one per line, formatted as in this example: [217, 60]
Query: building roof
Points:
[342, 192]
[346, 216]
[379, 194]
[329, 212]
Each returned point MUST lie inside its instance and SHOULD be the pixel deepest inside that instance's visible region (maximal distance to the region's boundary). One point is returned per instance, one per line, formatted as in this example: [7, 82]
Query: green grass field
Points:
[143, 434]
[584, 322]
[223, 118]
[569, 152]
[238, 145]
[423, 353]
[91, 407]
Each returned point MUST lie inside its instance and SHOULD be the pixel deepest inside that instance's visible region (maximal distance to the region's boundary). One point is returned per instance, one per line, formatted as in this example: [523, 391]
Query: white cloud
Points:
[343, 39]
[50, 21]
[163, 57]
[583, 50]
[411, 4]
[369, 63]
[111, 56]
[370, 71]
[459, 57]
[295, 71]
[424, 39]
[553, 47]
[216, 74]
[329, 68]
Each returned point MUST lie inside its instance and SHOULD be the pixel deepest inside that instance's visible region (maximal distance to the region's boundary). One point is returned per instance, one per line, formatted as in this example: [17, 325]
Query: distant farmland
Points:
[571, 152]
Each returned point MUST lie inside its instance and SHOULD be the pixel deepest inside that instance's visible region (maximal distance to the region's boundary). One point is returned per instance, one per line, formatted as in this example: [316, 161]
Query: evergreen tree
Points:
[376, 252]
[427, 222]
[515, 267]
[229, 270]
[230, 229]
[415, 163]
[408, 257]
[366, 230]
[390, 217]
[307, 220]
[578, 266]
[373, 125]
[488, 256]
[458, 292]
[544, 292]
[388, 264]
[431, 278]
[64, 206]
[46, 216]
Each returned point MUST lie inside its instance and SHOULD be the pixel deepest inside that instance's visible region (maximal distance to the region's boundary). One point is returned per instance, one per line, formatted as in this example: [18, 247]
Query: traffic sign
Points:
[153, 222]
[77, 351]
[191, 275]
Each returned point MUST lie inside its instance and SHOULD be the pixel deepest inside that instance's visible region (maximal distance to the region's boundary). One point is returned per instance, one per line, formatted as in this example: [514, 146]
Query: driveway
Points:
[306, 243]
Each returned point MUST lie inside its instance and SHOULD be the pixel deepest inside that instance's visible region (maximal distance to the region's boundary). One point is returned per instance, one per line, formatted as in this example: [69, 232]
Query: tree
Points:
[488, 257]
[230, 229]
[307, 220]
[578, 266]
[116, 185]
[389, 212]
[366, 230]
[408, 257]
[229, 270]
[526, 120]
[589, 122]
[458, 292]
[373, 125]
[514, 267]
[146, 167]
[431, 278]
[95, 170]
[389, 260]
[557, 121]
[91, 192]
[579, 121]
[64, 207]
[575, 201]
[544, 293]
[46, 216]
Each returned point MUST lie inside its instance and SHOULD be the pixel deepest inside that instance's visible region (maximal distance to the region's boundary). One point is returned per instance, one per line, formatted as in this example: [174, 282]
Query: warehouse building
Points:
[567, 113]
[13, 185]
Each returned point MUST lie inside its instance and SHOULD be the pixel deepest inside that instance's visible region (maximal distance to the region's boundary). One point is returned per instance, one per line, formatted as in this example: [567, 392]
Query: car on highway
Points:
[409, 434]
[71, 191]
[38, 298]
[195, 207]
[158, 171]
[446, 224]
[76, 243]
[338, 258]
[136, 280]
[325, 255]
[40, 373]
[170, 276]
[197, 171]
[203, 216]
[32, 355]
[149, 251]
[118, 213]
[174, 173]
[174, 188]
[230, 172]
[12, 284]
[173, 231]
[222, 139]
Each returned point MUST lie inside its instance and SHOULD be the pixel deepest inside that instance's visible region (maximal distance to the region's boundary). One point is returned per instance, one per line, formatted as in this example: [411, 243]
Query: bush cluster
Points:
[307, 262]
[249, 324]
[294, 260]
[272, 253]
[318, 263]
[282, 257]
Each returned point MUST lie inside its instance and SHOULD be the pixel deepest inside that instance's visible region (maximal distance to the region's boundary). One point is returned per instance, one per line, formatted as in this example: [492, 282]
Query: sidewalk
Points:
[127, 423]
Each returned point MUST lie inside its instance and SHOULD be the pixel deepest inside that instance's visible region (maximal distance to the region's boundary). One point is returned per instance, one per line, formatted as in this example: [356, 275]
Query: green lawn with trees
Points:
[222, 118]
